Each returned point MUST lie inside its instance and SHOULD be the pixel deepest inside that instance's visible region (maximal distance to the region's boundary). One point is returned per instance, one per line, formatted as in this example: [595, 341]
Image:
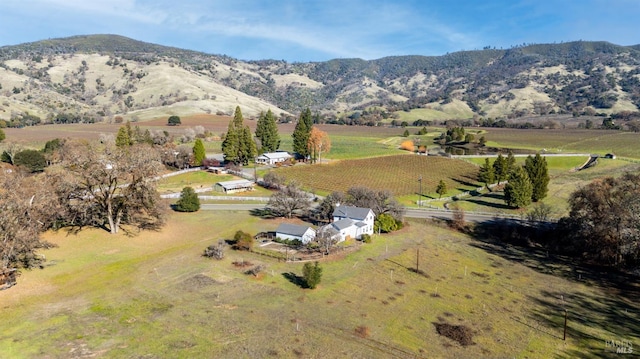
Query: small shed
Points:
[304, 234]
[241, 185]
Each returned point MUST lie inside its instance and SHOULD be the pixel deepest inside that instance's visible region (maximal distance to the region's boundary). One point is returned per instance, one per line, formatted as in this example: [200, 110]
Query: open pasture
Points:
[398, 174]
[154, 295]
[623, 144]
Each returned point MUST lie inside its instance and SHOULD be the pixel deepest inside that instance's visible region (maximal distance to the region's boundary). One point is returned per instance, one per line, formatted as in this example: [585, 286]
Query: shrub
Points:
[242, 241]
[174, 121]
[407, 145]
[366, 238]
[312, 274]
[215, 251]
[188, 202]
[385, 223]
[32, 160]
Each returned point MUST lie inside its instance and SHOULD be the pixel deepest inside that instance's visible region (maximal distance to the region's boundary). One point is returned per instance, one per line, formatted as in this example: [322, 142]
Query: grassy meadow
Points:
[623, 144]
[154, 295]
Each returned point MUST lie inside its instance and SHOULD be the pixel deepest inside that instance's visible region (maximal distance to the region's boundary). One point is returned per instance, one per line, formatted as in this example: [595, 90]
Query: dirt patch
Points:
[198, 281]
[459, 333]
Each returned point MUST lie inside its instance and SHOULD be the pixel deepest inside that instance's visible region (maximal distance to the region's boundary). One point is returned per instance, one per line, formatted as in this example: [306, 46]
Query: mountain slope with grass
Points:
[98, 77]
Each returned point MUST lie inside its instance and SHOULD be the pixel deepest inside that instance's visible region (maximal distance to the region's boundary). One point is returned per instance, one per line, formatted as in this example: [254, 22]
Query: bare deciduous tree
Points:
[110, 186]
[379, 201]
[289, 201]
[327, 237]
[27, 208]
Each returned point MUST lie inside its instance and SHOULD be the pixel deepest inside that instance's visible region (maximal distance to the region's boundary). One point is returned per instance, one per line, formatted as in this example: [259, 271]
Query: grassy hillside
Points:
[154, 295]
[98, 77]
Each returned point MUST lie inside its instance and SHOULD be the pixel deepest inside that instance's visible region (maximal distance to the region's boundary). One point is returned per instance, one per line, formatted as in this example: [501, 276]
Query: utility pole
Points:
[564, 337]
[420, 192]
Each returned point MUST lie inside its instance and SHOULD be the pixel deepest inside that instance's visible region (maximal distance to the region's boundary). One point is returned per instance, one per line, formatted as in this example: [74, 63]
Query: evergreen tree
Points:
[174, 120]
[500, 168]
[312, 274]
[238, 119]
[199, 153]
[306, 117]
[536, 168]
[123, 138]
[442, 188]
[486, 174]
[267, 132]
[300, 136]
[188, 201]
[231, 145]
[248, 150]
[238, 146]
[510, 163]
[517, 193]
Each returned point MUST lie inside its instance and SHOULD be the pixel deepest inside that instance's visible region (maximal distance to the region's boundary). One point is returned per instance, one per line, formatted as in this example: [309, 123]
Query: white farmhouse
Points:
[352, 222]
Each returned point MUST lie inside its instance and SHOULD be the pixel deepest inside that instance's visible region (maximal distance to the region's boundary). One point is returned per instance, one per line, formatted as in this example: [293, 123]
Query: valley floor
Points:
[154, 295]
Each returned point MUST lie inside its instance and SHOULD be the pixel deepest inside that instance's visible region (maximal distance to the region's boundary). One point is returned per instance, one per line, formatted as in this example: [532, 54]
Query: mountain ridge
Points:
[49, 77]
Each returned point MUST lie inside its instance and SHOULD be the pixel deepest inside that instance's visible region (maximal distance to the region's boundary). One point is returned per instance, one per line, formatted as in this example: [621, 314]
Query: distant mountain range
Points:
[97, 77]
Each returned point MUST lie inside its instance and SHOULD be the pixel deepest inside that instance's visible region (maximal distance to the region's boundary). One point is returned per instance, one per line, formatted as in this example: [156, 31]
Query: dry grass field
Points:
[154, 295]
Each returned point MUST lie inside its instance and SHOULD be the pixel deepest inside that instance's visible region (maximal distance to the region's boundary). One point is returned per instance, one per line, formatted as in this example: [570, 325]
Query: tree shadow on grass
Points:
[610, 313]
[617, 319]
[295, 279]
[262, 213]
[463, 182]
[480, 202]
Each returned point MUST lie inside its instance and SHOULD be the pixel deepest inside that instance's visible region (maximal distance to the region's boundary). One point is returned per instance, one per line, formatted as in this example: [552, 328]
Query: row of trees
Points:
[526, 184]
[309, 141]
[239, 146]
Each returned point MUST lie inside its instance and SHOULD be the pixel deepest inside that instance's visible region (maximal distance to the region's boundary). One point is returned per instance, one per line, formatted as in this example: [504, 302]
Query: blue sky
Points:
[310, 30]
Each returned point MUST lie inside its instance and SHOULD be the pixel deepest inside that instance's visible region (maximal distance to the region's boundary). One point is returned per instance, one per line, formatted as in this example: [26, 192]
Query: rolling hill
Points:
[96, 77]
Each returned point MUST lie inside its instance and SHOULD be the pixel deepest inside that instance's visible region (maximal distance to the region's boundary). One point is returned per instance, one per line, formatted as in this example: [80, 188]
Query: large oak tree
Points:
[110, 186]
[28, 206]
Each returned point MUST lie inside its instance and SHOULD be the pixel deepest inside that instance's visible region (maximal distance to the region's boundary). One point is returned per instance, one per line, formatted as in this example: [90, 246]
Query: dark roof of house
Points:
[292, 229]
[351, 212]
[342, 224]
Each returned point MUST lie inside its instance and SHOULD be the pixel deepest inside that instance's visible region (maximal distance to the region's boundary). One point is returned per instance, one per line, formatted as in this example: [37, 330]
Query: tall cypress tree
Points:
[230, 145]
[538, 172]
[301, 134]
[306, 117]
[267, 132]
[247, 147]
[199, 153]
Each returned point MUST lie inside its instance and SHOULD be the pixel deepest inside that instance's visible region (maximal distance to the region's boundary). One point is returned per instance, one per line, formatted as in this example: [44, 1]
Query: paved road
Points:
[410, 213]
